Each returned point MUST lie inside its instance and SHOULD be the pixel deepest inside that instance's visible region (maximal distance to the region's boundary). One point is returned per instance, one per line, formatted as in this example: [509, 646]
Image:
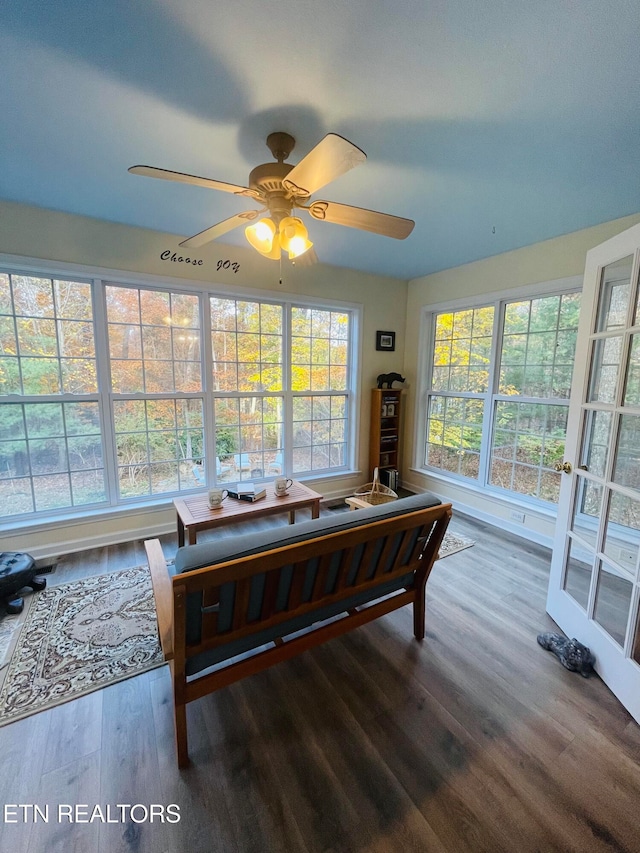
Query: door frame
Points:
[611, 661]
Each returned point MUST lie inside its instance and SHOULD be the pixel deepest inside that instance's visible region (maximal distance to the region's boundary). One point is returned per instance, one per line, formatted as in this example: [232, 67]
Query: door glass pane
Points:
[622, 530]
[596, 443]
[604, 369]
[577, 579]
[587, 510]
[614, 295]
[627, 464]
[613, 599]
[632, 387]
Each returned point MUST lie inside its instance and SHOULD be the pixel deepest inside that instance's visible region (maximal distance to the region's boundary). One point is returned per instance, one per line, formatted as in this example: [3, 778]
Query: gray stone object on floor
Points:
[571, 653]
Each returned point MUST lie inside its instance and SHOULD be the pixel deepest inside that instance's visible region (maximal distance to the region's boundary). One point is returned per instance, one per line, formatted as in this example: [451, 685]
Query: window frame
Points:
[62, 398]
[288, 394]
[112, 397]
[99, 279]
[497, 299]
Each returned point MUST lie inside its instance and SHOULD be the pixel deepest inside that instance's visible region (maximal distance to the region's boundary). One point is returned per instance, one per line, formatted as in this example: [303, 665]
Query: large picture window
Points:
[319, 380]
[498, 392]
[110, 393]
[51, 436]
[461, 375]
[258, 401]
[154, 359]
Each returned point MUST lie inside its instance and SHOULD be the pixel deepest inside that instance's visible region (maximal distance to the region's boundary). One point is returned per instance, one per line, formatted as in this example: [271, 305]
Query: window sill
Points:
[14, 525]
[508, 500]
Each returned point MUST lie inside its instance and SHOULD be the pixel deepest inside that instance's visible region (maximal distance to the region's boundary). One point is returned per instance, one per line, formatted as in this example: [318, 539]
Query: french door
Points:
[594, 587]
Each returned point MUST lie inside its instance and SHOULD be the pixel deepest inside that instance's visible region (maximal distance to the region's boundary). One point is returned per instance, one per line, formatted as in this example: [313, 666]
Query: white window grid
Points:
[296, 443]
[489, 400]
[204, 468]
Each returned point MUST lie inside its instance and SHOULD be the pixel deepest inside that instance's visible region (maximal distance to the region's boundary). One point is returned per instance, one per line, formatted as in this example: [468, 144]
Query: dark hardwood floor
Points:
[474, 740]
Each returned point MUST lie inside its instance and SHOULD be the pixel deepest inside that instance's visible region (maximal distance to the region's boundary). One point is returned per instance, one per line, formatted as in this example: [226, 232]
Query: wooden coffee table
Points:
[194, 514]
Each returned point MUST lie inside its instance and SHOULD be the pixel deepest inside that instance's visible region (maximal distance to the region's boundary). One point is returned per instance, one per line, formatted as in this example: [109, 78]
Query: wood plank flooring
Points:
[474, 740]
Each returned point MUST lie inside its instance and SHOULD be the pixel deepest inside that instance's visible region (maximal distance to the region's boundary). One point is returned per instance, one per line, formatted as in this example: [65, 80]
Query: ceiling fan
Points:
[280, 188]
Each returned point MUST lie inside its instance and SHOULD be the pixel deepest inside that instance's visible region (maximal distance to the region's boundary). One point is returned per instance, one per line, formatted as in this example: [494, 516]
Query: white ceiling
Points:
[493, 123]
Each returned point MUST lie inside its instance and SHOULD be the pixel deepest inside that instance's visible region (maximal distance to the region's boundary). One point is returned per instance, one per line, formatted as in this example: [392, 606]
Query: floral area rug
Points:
[453, 542]
[77, 637]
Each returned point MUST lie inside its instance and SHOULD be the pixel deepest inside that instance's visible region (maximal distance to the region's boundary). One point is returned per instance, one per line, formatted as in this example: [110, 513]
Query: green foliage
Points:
[226, 442]
[155, 346]
[535, 360]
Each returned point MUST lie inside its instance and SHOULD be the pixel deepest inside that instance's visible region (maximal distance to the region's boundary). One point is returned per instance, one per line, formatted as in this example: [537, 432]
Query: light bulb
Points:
[293, 237]
[263, 231]
[261, 236]
[298, 246]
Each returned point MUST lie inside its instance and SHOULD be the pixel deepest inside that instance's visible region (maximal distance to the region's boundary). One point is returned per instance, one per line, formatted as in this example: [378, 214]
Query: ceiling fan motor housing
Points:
[267, 179]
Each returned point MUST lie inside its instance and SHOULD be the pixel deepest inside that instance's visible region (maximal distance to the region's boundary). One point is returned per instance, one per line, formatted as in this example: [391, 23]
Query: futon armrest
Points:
[163, 594]
[357, 503]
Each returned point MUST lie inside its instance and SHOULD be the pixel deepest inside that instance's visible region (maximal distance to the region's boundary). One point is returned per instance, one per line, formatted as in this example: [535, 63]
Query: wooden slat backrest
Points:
[297, 585]
[370, 549]
[389, 539]
[321, 576]
[210, 603]
[271, 586]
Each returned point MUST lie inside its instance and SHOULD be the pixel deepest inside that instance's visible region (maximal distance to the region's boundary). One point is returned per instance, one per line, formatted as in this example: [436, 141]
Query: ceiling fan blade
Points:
[181, 177]
[218, 230]
[331, 157]
[360, 217]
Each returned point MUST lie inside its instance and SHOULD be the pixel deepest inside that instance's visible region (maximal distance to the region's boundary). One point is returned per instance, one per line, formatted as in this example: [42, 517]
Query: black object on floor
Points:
[17, 571]
[571, 654]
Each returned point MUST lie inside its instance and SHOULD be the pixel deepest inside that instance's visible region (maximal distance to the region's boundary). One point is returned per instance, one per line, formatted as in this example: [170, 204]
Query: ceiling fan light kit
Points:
[290, 236]
[261, 235]
[281, 187]
[294, 238]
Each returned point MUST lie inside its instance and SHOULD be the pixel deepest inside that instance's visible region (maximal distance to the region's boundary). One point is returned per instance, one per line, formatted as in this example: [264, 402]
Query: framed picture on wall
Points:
[386, 341]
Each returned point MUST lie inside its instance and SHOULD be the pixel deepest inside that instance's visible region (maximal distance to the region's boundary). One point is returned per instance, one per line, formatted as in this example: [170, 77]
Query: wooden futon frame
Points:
[318, 574]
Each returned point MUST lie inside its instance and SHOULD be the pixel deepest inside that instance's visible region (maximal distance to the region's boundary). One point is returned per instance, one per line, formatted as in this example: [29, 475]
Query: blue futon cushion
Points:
[233, 547]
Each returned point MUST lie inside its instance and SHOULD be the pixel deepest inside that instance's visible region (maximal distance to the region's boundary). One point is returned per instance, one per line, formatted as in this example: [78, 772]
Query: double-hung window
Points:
[157, 399]
[51, 449]
[281, 386]
[112, 393]
[497, 392]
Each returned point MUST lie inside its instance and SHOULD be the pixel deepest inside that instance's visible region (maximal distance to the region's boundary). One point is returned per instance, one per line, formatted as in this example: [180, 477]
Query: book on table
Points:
[247, 492]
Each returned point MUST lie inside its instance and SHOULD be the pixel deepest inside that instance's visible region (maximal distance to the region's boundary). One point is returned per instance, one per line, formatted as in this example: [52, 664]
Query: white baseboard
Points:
[50, 553]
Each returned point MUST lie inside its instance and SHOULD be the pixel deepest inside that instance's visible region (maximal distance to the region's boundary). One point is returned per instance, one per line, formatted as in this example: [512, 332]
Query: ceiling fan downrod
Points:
[281, 145]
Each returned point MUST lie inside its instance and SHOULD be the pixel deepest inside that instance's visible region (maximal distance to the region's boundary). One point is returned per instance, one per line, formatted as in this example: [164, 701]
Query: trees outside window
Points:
[258, 401]
[498, 390]
[157, 389]
[320, 382]
[51, 449]
[108, 394]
